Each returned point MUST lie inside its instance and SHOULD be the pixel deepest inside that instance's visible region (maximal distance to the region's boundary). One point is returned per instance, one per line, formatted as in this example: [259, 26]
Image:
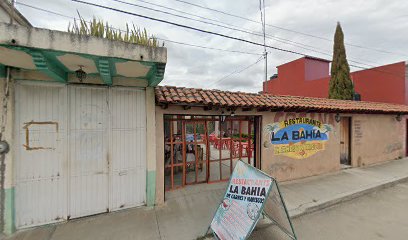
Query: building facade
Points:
[201, 134]
[79, 144]
[9, 14]
[113, 140]
[310, 77]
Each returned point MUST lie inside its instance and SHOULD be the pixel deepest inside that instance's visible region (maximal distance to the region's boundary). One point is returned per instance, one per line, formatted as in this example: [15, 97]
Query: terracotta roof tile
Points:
[204, 97]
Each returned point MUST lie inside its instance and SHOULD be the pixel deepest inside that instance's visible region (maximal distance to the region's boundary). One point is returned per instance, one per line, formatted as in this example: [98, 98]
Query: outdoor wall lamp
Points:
[222, 118]
[337, 117]
[399, 117]
[80, 74]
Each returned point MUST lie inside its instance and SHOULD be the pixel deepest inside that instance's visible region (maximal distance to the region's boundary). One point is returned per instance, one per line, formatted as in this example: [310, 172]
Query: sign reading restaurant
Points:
[249, 194]
[298, 137]
[243, 203]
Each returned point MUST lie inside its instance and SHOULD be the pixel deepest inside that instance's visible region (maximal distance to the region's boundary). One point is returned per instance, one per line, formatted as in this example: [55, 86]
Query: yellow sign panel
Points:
[298, 150]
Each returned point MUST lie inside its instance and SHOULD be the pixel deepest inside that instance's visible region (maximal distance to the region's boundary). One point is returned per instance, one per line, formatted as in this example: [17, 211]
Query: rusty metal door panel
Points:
[128, 154]
[88, 151]
[40, 154]
[345, 141]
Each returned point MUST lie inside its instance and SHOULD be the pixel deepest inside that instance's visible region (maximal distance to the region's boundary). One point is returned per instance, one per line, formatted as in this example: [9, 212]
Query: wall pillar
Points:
[7, 212]
[150, 147]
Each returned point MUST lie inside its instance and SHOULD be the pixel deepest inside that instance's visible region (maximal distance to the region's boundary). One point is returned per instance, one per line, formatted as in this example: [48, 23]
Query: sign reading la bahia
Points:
[298, 137]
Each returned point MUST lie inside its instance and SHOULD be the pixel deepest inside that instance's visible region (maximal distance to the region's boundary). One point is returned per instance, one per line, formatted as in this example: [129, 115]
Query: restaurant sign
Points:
[242, 204]
[298, 137]
[249, 194]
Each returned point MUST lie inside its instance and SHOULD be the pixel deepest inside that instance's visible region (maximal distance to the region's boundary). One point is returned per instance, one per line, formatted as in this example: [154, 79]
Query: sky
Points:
[376, 33]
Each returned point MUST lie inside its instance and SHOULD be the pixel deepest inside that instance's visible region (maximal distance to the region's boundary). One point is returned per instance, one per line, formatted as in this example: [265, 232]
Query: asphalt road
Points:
[379, 215]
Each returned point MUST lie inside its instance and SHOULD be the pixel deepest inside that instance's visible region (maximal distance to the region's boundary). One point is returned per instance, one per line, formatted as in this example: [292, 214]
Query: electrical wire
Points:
[282, 40]
[263, 21]
[235, 72]
[188, 27]
[181, 43]
[210, 48]
[162, 39]
[205, 31]
[243, 30]
[289, 30]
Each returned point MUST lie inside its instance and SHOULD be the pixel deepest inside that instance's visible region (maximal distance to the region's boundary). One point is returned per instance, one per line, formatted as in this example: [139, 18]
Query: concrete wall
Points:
[316, 69]
[6, 10]
[285, 168]
[66, 42]
[381, 84]
[375, 139]
[150, 147]
[4, 16]
[7, 213]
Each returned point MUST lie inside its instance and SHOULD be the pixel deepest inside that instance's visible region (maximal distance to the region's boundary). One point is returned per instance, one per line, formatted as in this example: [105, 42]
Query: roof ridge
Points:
[198, 96]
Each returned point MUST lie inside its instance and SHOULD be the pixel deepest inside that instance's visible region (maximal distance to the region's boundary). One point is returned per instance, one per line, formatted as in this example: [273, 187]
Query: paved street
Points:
[188, 211]
[379, 215]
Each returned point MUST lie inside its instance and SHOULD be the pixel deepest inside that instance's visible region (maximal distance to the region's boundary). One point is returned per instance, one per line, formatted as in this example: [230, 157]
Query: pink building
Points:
[310, 77]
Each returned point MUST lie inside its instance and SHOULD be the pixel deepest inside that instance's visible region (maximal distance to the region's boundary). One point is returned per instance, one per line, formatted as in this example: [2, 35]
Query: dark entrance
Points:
[205, 149]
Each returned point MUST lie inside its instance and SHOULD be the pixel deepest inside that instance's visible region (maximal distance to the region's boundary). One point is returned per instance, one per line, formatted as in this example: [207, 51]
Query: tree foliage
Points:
[341, 86]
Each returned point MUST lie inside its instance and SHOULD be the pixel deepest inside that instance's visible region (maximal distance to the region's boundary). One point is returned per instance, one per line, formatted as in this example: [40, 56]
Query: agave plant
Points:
[97, 28]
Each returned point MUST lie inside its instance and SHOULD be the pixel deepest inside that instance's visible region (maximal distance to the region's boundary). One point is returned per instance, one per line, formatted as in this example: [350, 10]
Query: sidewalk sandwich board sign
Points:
[250, 194]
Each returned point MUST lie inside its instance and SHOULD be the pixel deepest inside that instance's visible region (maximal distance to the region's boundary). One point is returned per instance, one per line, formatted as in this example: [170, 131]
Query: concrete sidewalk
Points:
[188, 212]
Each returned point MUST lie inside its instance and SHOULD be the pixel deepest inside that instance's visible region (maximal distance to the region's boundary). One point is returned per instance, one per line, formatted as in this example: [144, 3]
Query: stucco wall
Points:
[381, 84]
[375, 138]
[285, 168]
[7, 196]
[66, 42]
[281, 167]
[4, 16]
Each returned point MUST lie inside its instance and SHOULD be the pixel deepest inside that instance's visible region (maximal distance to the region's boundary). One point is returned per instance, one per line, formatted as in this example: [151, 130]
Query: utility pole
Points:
[263, 21]
[12, 11]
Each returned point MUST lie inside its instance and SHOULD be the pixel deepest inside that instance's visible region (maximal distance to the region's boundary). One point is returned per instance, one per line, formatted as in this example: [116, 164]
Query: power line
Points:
[44, 10]
[235, 72]
[282, 40]
[286, 29]
[214, 20]
[188, 27]
[186, 44]
[235, 28]
[203, 31]
[210, 48]
[163, 39]
[232, 27]
[263, 21]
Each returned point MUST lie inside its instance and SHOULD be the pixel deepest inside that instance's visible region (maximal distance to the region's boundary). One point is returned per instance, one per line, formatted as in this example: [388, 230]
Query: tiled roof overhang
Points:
[168, 95]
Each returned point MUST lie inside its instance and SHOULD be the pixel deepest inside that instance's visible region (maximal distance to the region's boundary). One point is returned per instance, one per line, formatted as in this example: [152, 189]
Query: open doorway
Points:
[345, 142]
[205, 149]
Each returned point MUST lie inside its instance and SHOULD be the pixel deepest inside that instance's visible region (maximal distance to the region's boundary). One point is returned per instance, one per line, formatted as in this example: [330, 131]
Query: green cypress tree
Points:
[341, 86]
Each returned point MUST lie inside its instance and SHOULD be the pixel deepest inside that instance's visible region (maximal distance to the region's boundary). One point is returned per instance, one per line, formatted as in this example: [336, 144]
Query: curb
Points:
[340, 198]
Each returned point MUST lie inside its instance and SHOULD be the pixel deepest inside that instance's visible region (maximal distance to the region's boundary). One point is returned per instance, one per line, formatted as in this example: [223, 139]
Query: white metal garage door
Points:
[128, 185]
[89, 166]
[41, 166]
[85, 151]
